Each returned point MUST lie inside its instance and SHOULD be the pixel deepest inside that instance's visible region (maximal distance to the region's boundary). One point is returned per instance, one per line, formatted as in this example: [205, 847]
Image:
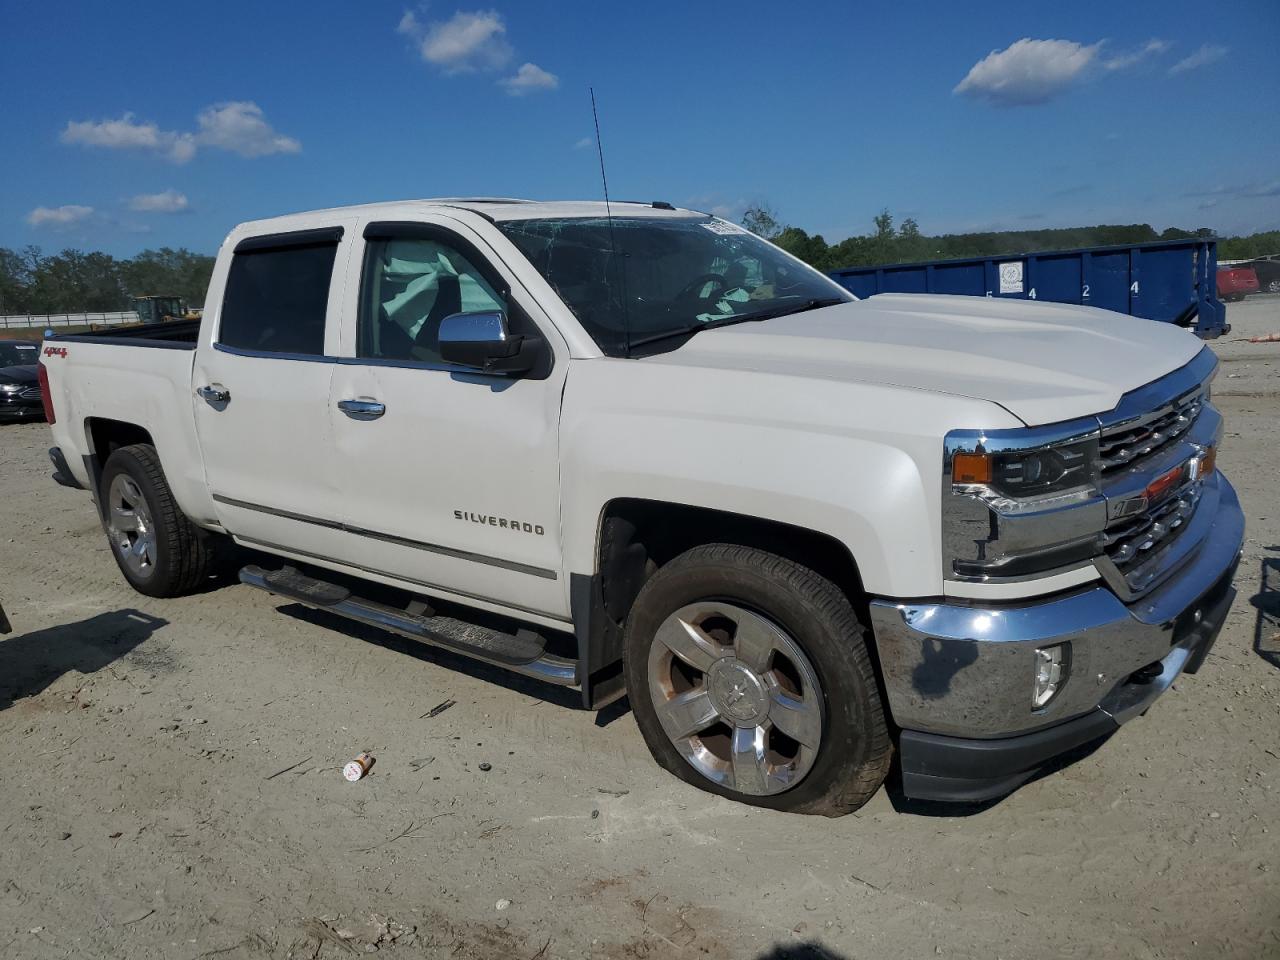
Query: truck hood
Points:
[1043, 362]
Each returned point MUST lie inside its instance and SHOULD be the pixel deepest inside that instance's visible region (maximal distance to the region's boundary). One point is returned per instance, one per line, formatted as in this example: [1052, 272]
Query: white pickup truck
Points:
[637, 450]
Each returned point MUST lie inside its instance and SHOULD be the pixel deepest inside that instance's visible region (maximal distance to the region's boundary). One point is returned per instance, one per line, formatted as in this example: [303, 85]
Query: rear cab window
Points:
[277, 293]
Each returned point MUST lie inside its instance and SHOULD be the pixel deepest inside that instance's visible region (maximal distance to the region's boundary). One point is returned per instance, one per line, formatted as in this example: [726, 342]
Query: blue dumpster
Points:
[1173, 281]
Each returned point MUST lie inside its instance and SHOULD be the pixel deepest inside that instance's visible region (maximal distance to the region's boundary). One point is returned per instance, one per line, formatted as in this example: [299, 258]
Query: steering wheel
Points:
[700, 281]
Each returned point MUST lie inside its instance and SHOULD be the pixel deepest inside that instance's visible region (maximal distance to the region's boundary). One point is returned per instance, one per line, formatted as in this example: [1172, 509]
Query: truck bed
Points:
[178, 335]
[92, 384]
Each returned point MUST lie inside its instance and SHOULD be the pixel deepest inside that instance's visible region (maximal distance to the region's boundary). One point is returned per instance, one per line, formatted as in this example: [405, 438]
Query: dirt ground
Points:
[170, 787]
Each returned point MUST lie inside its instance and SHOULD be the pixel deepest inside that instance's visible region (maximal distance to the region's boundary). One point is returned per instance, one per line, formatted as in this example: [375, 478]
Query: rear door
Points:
[452, 481]
[262, 379]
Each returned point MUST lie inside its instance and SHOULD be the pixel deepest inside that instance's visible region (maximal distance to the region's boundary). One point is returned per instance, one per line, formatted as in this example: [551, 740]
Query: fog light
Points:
[1051, 673]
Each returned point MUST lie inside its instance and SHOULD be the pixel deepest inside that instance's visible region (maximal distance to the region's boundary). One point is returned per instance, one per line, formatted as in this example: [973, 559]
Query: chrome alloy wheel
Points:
[736, 696]
[129, 526]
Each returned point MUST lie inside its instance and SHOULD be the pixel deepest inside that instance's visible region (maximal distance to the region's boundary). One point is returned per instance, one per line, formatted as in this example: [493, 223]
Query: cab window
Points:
[410, 286]
[276, 299]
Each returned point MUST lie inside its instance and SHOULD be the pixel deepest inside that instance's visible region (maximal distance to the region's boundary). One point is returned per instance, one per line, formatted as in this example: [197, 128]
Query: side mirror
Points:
[481, 340]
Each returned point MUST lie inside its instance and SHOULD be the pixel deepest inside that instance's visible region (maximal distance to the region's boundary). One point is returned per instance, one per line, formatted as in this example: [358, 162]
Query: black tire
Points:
[855, 751]
[185, 556]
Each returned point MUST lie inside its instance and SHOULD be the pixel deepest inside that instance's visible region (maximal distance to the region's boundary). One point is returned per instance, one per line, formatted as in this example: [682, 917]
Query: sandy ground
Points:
[171, 788]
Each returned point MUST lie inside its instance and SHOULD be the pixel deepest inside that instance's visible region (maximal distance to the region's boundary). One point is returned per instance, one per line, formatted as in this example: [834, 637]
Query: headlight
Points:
[1020, 503]
[1020, 475]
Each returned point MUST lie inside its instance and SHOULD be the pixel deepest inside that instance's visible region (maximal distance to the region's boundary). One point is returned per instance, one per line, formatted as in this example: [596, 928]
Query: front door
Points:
[450, 479]
[263, 381]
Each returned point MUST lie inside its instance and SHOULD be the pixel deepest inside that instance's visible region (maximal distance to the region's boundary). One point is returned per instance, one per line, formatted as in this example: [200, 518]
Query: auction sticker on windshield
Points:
[723, 227]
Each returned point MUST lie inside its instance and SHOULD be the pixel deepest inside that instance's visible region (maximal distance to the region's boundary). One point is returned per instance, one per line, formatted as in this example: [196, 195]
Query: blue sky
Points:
[148, 124]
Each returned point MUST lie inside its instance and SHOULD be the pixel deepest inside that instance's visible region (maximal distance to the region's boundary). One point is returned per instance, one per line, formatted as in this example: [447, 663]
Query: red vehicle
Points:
[1236, 283]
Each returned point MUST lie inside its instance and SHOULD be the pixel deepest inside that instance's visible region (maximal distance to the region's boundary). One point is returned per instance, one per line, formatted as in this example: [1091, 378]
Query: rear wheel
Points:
[158, 549]
[750, 677]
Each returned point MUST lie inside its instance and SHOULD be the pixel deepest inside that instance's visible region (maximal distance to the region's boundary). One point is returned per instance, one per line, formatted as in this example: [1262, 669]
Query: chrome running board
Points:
[523, 652]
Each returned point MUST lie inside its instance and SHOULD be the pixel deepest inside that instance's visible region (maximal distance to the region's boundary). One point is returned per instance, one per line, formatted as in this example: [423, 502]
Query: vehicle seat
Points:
[448, 302]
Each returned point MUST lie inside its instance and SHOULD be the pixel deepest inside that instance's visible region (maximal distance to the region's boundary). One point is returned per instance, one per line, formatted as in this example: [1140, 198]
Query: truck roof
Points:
[492, 208]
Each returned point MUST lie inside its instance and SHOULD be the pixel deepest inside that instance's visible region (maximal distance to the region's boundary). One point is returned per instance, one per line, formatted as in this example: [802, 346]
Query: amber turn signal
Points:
[970, 468]
[1208, 462]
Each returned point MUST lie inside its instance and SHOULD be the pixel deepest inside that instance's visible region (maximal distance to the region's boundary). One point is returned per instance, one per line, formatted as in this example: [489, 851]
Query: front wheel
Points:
[750, 677]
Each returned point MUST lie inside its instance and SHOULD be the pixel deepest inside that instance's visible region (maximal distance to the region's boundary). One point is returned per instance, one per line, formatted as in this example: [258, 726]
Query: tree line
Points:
[905, 243]
[75, 282]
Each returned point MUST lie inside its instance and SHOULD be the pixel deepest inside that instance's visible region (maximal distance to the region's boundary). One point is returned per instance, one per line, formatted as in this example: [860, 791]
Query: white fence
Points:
[26, 320]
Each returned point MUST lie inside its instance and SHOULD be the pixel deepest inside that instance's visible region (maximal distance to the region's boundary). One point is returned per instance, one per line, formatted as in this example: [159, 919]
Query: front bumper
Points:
[20, 408]
[959, 676]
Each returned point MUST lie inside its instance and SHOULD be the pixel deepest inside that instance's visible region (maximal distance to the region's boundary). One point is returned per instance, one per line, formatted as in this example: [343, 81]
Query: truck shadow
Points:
[808, 950]
[1266, 632]
[30, 662]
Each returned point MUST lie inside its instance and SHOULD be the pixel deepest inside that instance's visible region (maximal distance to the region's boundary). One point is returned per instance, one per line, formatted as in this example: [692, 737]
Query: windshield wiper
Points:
[780, 311]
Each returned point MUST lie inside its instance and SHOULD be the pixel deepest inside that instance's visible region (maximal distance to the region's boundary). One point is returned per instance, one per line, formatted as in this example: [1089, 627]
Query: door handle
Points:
[362, 409]
[214, 393]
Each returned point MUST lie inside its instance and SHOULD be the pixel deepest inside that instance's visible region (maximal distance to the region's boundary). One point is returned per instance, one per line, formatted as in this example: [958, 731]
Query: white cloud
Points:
[113, 133]
[1152, 48]
[127, 134]
[63, 216]
[1028, 72]
[409, 24]
[1207, 54]
[239, 127]
[182, 149]
[530, 78]
[464, 43]
[168, 201]
[584, 144]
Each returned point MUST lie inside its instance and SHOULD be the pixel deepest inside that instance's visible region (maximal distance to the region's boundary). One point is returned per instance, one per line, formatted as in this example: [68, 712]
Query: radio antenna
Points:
[595, 117]
[608, 212]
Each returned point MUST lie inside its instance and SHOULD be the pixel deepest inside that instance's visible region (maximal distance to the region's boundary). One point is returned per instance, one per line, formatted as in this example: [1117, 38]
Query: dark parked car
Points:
[20, 395]
[1267, 270]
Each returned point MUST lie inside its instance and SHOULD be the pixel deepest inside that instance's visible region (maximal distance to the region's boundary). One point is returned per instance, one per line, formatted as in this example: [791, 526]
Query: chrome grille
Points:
[1134, 542]
[31, 393]
[1128, 445]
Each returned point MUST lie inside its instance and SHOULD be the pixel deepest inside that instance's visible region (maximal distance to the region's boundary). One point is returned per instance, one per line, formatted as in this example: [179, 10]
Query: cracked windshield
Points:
[653, 282]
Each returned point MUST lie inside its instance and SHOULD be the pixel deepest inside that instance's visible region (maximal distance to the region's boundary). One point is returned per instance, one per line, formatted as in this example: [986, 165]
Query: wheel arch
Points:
[103, 436]
[635, 536]
[183, 469]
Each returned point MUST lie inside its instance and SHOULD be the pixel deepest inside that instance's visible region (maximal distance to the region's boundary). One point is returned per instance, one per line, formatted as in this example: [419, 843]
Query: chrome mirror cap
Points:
[482, 326]
[482, 341]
